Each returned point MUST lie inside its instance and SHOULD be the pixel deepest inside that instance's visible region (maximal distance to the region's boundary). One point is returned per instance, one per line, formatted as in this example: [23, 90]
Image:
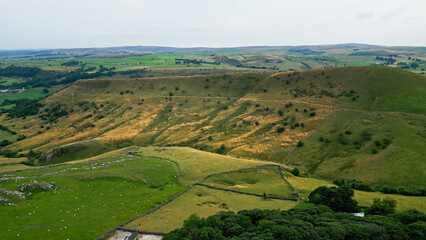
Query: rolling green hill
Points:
[353, 122]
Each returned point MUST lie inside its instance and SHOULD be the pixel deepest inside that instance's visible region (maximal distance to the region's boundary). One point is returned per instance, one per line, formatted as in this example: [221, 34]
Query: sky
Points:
[35, 24]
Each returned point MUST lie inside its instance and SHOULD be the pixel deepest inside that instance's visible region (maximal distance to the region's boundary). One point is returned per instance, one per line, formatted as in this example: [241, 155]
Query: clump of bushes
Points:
[381, 207]
[221, 149]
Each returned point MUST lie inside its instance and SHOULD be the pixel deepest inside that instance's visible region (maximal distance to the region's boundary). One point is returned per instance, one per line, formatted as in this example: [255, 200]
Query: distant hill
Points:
[331, 49]
[366, 123]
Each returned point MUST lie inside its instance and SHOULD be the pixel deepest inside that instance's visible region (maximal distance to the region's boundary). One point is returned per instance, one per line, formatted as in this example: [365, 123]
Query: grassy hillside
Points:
[384, 148]
[252, 115]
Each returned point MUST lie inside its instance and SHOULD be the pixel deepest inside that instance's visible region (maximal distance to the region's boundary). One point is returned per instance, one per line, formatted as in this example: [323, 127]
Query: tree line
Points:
[361, 186]
[328, 219]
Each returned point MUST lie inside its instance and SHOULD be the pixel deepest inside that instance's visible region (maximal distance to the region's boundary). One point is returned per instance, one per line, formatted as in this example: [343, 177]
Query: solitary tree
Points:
[296, 171]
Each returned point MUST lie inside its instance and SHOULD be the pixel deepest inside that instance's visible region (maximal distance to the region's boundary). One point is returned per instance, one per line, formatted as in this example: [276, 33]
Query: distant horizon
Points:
[207, 47]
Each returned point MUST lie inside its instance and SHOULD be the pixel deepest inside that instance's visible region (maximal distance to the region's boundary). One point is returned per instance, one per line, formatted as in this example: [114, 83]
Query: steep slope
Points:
[253, 115]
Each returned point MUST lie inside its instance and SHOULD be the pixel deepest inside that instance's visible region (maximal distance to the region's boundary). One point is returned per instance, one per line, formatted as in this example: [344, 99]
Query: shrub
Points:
[366, 136]
[5, 142]
[280, 112]
[221, 149]
[381, 207]
[343, 140]
[280, 129]
[300, 144]
[296, 171]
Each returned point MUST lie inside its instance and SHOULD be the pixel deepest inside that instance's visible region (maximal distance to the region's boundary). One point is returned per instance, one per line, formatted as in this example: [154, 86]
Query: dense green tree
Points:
[296, 171]
[338, 199]
[317, 222]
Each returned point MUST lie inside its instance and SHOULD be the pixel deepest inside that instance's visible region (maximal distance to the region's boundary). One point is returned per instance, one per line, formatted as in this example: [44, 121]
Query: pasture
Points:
[88, 198]
[203, 202]
[260, 180]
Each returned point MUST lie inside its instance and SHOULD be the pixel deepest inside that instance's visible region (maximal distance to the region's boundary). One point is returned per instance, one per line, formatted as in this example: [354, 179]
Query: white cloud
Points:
[365, 15]
[393, 13]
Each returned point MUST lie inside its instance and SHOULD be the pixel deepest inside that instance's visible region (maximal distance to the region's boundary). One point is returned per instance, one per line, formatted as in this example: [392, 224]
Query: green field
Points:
[88, 198]
[203, 202]
[261, 180]
[7, 81]
[194, 165]
[33, 93]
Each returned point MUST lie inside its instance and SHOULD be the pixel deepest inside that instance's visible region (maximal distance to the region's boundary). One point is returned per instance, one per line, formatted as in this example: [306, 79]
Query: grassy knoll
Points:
[203, 202]
[306, 185]
[261, 180]
[88, 198]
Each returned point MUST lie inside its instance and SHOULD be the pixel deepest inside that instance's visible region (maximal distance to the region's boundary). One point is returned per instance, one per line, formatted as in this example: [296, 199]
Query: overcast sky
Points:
[219, 23]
